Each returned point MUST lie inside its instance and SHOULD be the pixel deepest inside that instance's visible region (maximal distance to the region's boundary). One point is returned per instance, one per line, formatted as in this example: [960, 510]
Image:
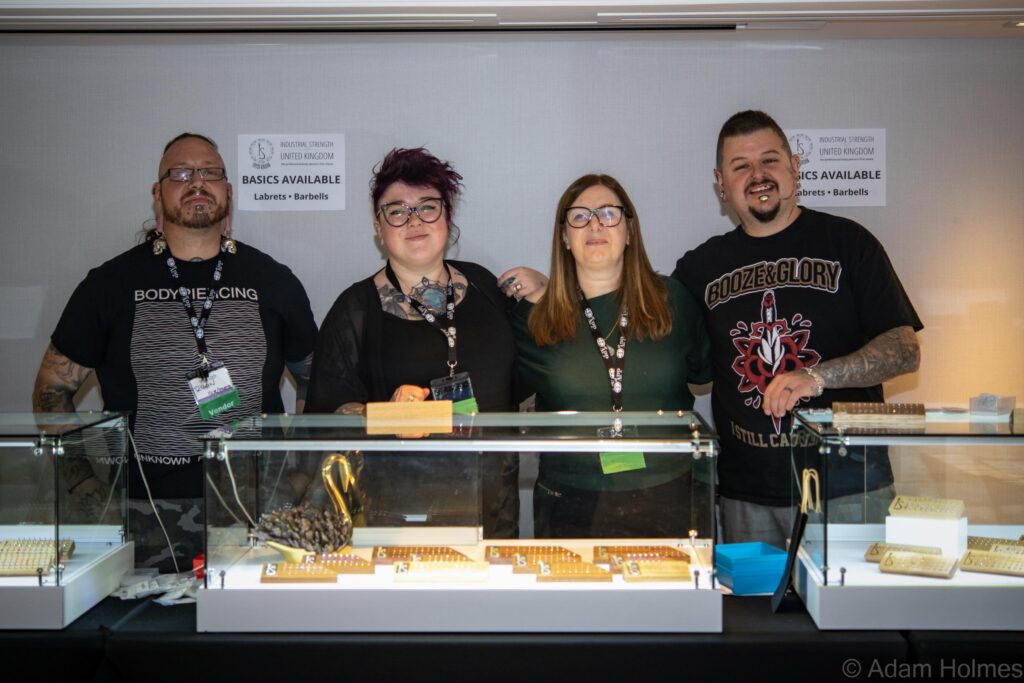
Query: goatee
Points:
[198, 218]
[766, 216]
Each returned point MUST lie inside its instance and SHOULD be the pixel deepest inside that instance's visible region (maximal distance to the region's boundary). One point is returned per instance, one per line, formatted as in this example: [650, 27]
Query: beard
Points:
[197, 220]
[766, 216]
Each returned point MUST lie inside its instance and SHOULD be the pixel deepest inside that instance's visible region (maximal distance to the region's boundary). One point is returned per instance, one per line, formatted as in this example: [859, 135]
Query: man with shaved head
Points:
[188, 330]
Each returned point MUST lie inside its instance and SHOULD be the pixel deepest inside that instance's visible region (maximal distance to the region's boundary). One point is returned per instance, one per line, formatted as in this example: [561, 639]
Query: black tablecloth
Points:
[140, 640]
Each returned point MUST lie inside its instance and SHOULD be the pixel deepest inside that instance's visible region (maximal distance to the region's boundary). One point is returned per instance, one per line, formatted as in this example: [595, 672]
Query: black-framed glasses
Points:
[397, 214]
[184, 175]
[608, 216]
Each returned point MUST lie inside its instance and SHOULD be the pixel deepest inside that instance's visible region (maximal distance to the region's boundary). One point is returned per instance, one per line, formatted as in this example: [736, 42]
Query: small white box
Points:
[948, 534]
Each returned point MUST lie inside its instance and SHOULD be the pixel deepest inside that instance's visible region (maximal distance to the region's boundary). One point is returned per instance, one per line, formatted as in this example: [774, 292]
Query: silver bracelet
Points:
[819, 381]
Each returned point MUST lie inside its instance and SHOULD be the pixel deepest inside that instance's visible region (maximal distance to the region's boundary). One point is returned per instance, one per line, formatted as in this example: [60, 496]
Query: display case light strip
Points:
[524, 445]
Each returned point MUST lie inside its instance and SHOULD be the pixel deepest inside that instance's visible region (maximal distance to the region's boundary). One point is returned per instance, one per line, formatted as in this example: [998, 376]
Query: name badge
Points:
[214, 393]
[613, 462]
[459, 390]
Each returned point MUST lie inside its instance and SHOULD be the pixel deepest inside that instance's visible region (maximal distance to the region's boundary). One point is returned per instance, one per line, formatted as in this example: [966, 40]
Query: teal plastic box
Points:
[749, 568]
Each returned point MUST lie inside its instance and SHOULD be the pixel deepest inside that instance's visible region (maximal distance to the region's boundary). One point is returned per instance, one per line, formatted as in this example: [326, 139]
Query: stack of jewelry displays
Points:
[987, 555]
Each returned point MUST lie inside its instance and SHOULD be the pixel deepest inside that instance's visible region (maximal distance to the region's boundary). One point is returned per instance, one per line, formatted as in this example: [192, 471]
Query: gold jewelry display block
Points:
[986, 542]
[1008, 549]
[926, 508]
[571, 571]
[409, 419]
[876, 551]
[604, 554]
[992, 563]
[342, 563]
[506, 554]
[26, 556]
[297, 572]
[914, 564]
[529, 563]
[389, 554]
[655, 570]
[889, 415]
[427, 572]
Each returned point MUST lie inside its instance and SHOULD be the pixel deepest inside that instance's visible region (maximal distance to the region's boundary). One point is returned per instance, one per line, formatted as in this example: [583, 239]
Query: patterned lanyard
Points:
[615, 361]
[198, 320]
[428, 315]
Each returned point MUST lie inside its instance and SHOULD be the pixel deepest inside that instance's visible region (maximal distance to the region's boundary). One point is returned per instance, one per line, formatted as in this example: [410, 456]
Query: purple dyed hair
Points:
[420, 168]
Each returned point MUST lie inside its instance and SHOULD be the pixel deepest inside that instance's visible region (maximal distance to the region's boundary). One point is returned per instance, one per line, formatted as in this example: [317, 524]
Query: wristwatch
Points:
[819, 381]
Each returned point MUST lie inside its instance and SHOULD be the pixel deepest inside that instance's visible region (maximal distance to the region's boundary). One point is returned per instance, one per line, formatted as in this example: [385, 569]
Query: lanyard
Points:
[198, 320]
[428, 315]
[615, 361]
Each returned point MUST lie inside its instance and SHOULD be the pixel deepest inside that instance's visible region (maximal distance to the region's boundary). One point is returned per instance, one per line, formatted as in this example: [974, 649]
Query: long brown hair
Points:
[556, 316]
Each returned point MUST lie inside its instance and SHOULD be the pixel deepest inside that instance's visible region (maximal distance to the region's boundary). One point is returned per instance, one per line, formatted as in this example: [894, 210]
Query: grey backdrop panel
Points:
[521, 115]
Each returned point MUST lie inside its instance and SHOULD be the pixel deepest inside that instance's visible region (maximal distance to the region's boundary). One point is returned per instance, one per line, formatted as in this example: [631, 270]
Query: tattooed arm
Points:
[58, 379]
[56, 383]
[888, 355]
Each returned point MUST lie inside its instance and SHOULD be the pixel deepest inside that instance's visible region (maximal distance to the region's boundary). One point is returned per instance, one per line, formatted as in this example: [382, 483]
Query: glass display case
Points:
[62, 515]
[316, 523]
[918, 524]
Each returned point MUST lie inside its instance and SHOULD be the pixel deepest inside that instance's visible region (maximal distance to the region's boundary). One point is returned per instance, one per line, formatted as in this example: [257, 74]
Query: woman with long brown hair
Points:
[609, 333]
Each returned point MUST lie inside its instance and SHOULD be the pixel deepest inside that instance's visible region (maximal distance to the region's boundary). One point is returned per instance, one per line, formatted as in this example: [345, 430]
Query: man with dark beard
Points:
[803, 309]
[187, 330]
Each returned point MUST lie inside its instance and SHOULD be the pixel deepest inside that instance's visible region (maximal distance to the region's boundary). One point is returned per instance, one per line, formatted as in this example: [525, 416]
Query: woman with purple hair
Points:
[421, 327]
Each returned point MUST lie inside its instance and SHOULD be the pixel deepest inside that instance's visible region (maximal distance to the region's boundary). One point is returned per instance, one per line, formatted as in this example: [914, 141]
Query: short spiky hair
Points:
[745, 123]
[417, 167]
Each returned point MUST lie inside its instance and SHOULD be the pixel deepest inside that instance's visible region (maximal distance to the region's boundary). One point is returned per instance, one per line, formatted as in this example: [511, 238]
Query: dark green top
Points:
[571, 376]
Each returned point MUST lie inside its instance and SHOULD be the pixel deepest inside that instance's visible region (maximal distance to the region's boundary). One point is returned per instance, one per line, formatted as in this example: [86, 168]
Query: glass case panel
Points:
[937, 490]
[293, 501]
[62, 512]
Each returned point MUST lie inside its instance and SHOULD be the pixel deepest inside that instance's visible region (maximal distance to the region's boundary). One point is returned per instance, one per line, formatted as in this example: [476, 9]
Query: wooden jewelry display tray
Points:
[657, 585]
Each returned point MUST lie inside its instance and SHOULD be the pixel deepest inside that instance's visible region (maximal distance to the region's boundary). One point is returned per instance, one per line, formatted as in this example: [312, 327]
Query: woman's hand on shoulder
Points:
[521, 283]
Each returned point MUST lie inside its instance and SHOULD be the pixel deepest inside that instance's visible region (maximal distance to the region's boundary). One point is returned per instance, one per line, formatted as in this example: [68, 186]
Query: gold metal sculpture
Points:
[307, 529]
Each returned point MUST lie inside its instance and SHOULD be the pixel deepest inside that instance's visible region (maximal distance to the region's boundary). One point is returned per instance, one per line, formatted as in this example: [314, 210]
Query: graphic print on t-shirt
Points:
[768, 347]
[163, 351]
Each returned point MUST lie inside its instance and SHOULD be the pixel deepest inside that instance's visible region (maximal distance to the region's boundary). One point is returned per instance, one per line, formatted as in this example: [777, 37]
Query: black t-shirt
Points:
[126, 321]
[418, 352]
[818, 290]
[357, 348]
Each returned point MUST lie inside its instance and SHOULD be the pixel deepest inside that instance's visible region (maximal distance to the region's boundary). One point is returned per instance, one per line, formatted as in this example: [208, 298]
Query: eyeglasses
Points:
[397, 214]
[185, 175]
[608, 216]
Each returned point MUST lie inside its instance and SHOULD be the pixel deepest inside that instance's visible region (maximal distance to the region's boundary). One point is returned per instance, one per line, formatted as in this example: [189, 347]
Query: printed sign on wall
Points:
[291, 173]
[840, 167]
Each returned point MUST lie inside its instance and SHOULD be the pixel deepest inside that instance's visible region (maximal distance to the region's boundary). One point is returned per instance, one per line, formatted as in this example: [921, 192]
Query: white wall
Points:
[84, 118]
